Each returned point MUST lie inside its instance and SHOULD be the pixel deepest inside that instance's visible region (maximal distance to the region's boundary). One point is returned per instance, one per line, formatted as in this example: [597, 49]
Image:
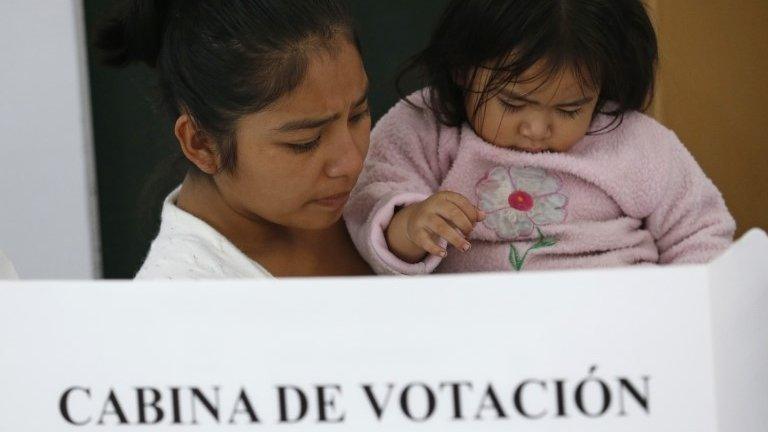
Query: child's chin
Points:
[530, 149]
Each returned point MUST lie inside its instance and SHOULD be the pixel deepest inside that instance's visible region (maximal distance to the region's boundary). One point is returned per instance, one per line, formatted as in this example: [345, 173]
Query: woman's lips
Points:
[334, 201]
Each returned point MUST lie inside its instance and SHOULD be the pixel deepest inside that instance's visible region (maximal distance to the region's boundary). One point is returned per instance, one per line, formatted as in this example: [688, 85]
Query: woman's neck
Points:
[282, 250]
[200, 197]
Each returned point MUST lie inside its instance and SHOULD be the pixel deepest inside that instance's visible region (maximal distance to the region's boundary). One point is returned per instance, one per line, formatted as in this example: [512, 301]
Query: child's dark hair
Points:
[609, 44]
[218, 60]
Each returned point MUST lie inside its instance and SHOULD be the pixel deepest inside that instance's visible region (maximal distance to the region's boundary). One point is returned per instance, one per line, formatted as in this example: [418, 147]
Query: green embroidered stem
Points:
[514, 256]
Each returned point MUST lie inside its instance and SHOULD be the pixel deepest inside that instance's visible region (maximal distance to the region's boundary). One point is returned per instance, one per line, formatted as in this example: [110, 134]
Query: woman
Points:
[270, 105]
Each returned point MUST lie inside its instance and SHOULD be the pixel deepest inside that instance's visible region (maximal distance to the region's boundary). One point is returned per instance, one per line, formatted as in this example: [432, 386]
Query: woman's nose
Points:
[346, 159]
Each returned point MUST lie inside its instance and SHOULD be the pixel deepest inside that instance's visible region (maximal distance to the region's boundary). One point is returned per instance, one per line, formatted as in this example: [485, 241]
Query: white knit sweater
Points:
[188, 248]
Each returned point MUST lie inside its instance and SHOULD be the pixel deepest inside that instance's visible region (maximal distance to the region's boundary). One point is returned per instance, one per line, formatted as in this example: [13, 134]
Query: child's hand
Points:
[418, 228]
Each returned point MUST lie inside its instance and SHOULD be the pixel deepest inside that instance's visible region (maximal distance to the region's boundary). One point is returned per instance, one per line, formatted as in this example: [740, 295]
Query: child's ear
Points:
[197, 145]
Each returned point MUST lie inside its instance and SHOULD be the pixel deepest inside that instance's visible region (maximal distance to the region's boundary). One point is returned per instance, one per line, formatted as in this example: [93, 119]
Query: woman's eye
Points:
[359, 116]
[304, 147]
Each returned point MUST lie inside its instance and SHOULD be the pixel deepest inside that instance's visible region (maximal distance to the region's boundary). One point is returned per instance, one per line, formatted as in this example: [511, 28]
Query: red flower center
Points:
[521, 201]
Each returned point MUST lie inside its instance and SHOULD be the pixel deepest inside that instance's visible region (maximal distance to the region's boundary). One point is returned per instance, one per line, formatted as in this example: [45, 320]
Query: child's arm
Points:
[396, 213]
[690, 221]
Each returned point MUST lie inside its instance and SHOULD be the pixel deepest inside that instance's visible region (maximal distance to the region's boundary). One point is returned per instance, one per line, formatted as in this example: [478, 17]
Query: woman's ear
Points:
[196, 145]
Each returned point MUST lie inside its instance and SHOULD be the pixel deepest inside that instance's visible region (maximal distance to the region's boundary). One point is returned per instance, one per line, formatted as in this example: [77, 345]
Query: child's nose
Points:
[536, 128]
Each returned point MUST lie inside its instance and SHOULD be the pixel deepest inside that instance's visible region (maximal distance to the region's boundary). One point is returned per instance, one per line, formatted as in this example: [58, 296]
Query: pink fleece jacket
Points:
[630, 196]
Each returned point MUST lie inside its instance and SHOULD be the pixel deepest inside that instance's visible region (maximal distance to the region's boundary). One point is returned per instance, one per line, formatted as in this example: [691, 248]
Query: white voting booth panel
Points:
[48, 220]
[637, 349]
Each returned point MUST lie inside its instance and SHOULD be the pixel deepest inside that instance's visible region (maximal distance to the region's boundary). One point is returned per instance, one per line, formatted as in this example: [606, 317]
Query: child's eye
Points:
[511, 107]
[304, 147]
[573, 113]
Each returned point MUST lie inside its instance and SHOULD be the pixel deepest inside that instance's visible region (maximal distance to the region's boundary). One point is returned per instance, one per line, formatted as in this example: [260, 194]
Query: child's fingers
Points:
[425, 241]
[453, 214]
[473, 213]
[440, 227]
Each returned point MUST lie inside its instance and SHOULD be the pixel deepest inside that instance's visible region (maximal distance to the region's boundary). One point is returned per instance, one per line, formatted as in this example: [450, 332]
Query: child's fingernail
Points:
[481, 215]
[443, 253]
[466, 247]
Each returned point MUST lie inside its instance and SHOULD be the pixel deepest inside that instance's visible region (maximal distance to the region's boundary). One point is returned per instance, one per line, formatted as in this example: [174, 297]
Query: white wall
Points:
[48, 223]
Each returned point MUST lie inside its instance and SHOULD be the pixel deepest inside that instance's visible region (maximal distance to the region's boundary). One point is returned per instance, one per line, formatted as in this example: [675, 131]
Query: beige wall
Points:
[713, 91]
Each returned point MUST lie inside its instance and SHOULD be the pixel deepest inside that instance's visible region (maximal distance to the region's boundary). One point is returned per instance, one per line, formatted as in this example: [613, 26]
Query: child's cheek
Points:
[496, 126]
[569, 134]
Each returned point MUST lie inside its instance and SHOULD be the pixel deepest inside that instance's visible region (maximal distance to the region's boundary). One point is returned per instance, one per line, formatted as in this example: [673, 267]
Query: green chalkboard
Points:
[134, 142]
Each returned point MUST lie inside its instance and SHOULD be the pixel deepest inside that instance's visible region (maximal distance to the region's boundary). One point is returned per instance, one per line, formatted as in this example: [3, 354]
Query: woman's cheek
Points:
[363, 142]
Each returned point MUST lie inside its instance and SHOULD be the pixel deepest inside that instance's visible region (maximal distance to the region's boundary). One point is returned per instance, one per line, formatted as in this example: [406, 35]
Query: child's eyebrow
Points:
[513, 95]
[581, 101]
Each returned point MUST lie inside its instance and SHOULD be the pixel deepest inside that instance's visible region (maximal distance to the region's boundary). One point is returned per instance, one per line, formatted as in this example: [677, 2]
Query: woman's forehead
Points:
[334, 81]
[331, 77]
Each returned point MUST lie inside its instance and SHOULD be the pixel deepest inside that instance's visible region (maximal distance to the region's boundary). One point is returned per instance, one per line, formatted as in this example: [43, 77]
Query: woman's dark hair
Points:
[609, 44]
[218, 60]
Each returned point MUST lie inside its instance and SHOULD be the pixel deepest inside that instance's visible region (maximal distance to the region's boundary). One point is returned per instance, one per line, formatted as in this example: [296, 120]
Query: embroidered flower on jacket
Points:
[517, 200]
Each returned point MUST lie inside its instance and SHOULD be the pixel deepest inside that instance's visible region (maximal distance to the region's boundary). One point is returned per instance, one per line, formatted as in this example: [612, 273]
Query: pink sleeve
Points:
[690, 221]
[403, 167]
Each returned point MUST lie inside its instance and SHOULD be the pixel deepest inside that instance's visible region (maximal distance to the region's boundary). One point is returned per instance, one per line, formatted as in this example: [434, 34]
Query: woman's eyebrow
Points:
[363, 99]
[310, 123]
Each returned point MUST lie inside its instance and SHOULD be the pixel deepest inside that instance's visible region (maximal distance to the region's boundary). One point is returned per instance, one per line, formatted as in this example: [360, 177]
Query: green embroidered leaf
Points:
[547, 242]
[514, 258]
[518, 261]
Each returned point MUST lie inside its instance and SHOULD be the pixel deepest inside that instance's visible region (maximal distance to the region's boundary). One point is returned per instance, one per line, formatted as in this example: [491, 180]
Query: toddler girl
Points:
[528, 150]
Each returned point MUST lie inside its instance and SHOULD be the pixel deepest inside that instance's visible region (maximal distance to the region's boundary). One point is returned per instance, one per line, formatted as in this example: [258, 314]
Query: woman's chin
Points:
[318, 220]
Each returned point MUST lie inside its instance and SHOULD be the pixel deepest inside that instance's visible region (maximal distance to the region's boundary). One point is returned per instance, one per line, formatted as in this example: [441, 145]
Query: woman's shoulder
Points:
[188, 248]
[191, 257]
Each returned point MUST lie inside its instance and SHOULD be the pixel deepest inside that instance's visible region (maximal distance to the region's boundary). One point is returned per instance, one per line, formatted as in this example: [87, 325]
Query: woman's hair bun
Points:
[134, 33]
